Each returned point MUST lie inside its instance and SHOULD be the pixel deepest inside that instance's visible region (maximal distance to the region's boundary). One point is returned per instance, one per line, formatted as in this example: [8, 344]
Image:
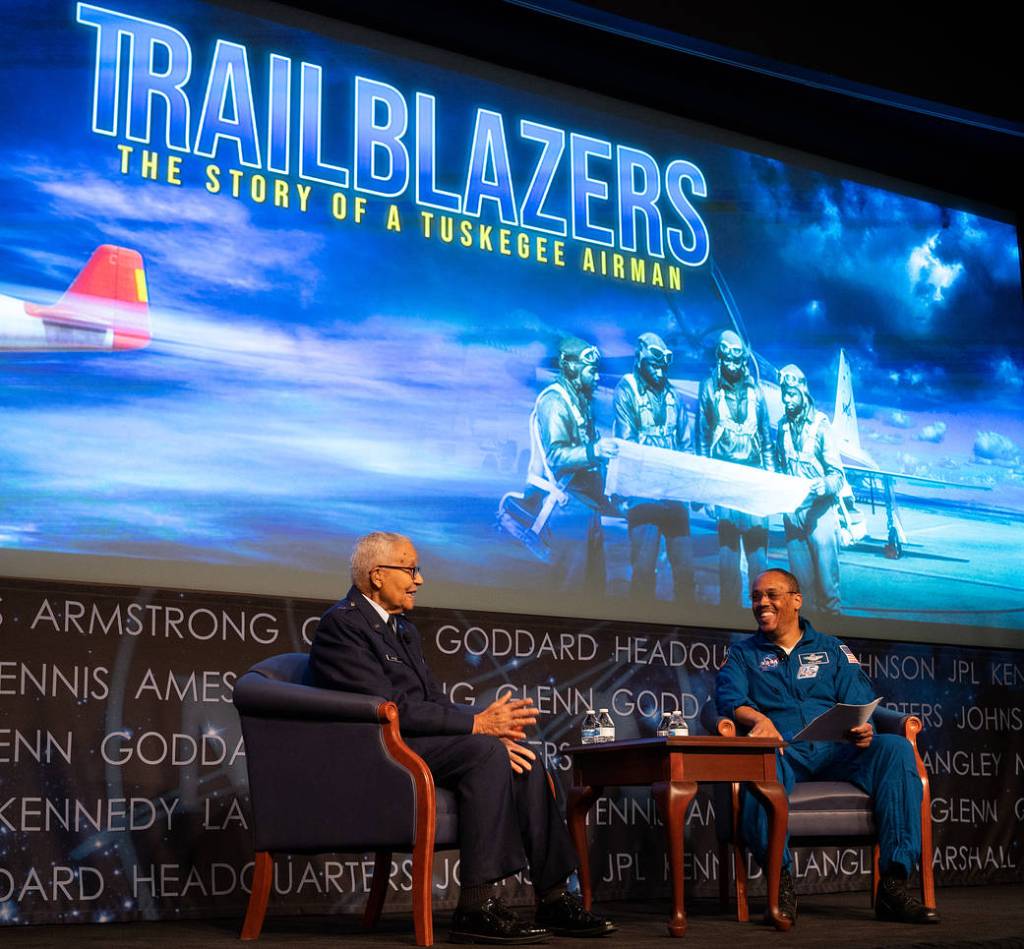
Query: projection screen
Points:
[268, 286]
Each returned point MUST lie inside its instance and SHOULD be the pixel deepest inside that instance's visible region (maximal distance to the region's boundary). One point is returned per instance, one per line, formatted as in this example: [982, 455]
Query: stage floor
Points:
[982, 917]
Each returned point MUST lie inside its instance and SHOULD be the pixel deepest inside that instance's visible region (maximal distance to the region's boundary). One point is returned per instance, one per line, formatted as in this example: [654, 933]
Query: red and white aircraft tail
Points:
[105, 308]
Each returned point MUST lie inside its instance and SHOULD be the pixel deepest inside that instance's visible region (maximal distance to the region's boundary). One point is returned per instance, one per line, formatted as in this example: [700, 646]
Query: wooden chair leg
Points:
[262, 875]
[927, 875]
[876, 874]
[927, 883]
[378, 888]
[422, 881]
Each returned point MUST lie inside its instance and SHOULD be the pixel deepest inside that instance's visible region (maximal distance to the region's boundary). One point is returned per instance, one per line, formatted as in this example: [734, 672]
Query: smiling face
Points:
[776, 607]
[394, 587]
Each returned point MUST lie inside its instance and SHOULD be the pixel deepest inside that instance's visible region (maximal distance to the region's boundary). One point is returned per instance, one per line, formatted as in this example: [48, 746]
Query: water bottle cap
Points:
[603, 710]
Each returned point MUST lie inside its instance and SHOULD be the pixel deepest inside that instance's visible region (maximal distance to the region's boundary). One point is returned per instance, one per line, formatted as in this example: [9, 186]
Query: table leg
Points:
[578, 802]
[672, 798]
[774, 795]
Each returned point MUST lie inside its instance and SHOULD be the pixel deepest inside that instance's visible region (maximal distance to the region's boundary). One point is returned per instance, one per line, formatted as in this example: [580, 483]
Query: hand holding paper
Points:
[837, 723]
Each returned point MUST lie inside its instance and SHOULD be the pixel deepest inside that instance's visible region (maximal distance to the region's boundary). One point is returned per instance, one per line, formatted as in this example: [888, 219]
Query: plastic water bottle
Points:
[605, 726]
[666, 723]
[589, 733]
[677, 727]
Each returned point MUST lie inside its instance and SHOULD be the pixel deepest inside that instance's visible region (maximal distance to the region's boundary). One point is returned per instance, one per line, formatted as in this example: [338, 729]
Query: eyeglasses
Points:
[590, 356]
[772, 596]
[724, 349]
[413, 571]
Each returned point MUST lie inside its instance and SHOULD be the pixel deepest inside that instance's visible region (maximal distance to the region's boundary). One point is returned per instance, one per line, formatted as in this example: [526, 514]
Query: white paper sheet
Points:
[836, 722]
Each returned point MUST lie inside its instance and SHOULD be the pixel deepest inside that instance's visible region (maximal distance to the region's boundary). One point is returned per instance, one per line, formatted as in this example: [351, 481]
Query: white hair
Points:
[371, 550]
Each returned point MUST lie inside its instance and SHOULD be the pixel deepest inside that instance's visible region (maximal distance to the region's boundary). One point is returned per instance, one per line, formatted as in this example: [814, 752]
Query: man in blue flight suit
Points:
[806, 447]
[649, 411]
[508, 818]
[774, 683]
[733, 425]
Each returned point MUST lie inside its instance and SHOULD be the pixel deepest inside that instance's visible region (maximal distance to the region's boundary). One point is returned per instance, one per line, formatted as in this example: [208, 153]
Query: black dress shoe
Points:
[566, 916]
[894, 904]
[493, 923]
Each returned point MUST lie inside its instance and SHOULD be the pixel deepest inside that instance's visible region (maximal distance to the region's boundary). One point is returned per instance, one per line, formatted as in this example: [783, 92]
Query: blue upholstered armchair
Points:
[823, 812]
[329, 773]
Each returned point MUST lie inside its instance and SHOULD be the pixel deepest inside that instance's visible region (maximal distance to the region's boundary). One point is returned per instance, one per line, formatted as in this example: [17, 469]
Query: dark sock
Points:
[473, 897]
[552, 895]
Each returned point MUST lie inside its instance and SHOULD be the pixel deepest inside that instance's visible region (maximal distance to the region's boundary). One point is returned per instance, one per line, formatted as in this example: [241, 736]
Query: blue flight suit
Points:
[759, 674]
[506, 821]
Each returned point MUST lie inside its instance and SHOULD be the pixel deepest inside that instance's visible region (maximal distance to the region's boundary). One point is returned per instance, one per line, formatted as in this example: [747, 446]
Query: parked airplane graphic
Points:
[105, 308]
[858, 462]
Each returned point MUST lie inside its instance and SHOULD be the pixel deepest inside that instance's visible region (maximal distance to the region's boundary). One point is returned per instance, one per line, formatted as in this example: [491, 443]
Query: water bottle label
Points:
[604, 733]
[679, 731]
[590, 735]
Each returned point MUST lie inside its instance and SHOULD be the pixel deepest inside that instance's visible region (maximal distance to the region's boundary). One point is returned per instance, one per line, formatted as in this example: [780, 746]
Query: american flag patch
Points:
[850, 657]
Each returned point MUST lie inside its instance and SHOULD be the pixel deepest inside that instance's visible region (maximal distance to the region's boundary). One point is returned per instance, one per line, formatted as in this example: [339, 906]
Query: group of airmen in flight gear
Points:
[565, 488]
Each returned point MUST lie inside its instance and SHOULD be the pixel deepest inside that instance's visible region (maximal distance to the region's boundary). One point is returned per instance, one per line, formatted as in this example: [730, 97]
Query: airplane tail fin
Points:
[844, 419]
[109, 292]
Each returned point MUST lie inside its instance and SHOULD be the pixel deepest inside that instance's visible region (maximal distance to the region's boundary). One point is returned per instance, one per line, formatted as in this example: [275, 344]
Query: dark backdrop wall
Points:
[123, 779]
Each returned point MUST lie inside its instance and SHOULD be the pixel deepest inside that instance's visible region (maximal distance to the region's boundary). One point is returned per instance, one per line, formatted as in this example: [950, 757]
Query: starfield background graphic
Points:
[326, 360]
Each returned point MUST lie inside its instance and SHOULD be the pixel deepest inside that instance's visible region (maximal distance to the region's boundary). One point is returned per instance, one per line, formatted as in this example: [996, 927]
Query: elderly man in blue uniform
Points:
[733, 425]
[775, 682]
[649, 411]
[805, 447]
[567, 458]
[508, 818]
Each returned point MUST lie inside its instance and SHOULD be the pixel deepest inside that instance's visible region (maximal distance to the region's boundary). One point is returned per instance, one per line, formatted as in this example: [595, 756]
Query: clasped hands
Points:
[507, 718]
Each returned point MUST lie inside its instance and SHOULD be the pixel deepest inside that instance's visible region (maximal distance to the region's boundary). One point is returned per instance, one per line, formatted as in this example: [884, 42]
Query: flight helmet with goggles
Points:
[732, 354]
[575, 356]
[653, 358]
[792, 379]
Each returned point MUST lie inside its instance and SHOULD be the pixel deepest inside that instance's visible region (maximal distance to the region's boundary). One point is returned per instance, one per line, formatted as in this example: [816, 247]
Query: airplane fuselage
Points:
[19, 330]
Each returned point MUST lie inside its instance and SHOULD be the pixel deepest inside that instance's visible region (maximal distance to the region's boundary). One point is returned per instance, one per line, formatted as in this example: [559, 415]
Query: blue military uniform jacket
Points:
[355, 650]
[791, 690]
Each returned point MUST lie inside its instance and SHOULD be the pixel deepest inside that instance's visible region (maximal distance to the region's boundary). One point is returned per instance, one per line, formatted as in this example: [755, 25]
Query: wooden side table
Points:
[672, 768]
